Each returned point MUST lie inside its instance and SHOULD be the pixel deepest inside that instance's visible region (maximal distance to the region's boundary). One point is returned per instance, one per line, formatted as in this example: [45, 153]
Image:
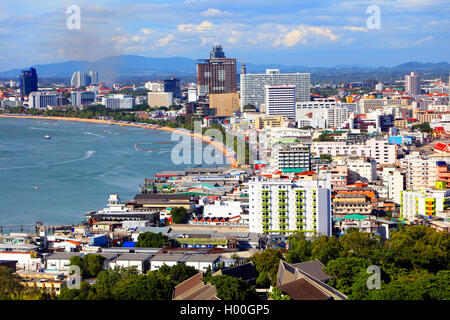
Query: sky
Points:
[321, 33]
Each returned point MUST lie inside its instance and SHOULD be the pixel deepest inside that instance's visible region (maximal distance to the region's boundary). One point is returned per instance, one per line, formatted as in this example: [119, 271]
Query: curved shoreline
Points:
[206, 139]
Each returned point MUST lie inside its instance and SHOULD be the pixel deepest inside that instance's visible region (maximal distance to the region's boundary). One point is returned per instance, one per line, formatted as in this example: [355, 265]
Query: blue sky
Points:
[310, 33]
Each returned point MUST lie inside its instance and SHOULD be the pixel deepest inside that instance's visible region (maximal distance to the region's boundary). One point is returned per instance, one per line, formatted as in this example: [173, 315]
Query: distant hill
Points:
[115, 67]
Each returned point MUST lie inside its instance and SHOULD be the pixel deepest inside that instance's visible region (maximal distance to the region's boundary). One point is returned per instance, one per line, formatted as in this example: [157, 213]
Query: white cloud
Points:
[304, 34]
[352, 28]
[165, 41]
[146, 31]
[202, 27]
[216, 13]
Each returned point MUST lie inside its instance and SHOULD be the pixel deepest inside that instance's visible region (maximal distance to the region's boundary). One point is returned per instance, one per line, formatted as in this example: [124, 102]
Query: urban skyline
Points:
[328, 32]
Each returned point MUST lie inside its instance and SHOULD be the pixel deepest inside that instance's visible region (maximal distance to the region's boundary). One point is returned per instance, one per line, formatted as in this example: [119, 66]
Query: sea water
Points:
[57, 180]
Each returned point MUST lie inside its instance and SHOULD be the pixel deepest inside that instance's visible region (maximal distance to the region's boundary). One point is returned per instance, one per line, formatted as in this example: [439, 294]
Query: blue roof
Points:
[129, 244]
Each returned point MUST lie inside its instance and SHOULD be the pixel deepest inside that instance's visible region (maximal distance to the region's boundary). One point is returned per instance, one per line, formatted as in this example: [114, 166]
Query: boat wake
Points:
[87, 155]
[93, 134]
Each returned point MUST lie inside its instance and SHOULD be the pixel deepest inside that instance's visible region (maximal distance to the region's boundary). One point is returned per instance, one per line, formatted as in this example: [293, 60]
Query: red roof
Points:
[441, 147]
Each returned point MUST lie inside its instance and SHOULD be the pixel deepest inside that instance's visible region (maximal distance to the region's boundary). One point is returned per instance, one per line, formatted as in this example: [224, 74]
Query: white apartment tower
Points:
[412, 84]
[41, 100]
[252, 86]
[83, 79]
[280, 101]
[284, 207]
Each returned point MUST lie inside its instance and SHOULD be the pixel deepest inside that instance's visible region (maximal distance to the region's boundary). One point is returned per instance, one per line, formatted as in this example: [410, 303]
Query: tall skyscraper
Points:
[253, 85]
[280, 101]
[217, 74]
[172, 85]
[28, 81]
[412, 84]
[83, 79]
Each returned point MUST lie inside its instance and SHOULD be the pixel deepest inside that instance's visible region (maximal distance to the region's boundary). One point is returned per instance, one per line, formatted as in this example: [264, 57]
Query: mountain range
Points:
[115, 67]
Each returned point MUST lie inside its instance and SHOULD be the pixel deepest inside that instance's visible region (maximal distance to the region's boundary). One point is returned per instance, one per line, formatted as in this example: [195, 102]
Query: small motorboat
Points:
[47, 137]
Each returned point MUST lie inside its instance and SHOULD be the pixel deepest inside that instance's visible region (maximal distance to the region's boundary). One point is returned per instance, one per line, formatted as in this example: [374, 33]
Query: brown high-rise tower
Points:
[217, 74]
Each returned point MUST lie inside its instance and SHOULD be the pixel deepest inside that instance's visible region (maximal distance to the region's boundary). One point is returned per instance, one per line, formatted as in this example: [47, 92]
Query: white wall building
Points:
[252, 86]
[83, 79]
[317, 109]
[380, 150]
[192, 94]
[280, 101]
[118, 101]
[41, 100]
[362, 169]
[426, 203]
[222, 209]
[82, 98]
[285, 207]
[154, 86]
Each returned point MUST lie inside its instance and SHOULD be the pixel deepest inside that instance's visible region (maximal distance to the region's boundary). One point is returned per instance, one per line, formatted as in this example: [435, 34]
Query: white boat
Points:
[47, 137]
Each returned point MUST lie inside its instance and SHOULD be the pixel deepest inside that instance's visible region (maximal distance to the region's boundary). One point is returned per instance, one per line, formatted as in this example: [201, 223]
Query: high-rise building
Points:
[280, 100]
[192, 93]
[412, 84]
[83, 79]
[28, 81]
[154, 86]
[284, 207]
[82, 98]
[226, 104]
[41, 100]
[296, 158]
[253, 85]
[172, 85]
[160, 99]
[217, 74]
[118, 101]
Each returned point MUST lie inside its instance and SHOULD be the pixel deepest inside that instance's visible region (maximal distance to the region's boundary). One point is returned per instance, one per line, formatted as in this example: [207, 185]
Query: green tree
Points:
[152, 286]
[76, 294]
[326, 249]
[232, 288]
[178, 273]
[93, 264]
[344, 271]
[107, 280]
[266, 264]
[10, 286]
[179, 215]
[90, 264]
[299, 248]
[153, 240]
[418, 248]
[276, 294]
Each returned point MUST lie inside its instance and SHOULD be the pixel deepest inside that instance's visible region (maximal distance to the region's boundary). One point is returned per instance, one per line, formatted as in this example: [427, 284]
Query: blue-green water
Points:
[75, 170]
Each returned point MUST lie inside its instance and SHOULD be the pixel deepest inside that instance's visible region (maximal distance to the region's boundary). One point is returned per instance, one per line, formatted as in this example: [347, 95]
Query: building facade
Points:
[217, 74]
[280, 101]
[284, 207]
[28, 82]
[253, 85]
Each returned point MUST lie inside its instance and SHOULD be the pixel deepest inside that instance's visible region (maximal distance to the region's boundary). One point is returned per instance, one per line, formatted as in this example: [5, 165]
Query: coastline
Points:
[218, 145]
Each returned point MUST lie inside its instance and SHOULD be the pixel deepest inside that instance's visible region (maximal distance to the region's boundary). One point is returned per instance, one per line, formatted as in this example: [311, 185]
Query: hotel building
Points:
[283, 206]
[252, 86]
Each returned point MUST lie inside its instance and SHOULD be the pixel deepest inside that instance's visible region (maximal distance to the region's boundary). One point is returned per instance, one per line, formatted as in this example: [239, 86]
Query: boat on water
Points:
[47, 137]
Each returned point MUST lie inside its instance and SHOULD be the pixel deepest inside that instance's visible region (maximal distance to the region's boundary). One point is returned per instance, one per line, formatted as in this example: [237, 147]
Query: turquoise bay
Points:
[57, 180]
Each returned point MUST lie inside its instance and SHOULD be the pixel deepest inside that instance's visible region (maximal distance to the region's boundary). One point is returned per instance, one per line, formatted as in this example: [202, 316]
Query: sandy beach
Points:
[218, 145]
